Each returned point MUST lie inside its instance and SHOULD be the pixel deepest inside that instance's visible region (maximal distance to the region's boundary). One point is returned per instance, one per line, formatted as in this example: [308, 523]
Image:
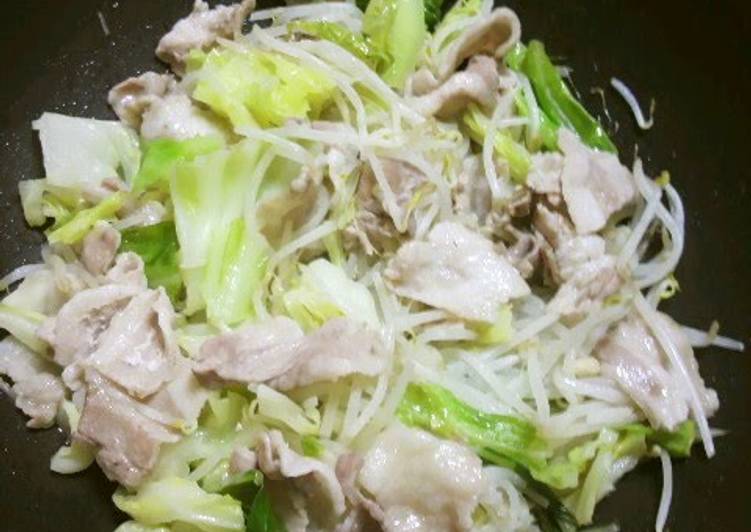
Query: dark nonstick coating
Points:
[691, 56]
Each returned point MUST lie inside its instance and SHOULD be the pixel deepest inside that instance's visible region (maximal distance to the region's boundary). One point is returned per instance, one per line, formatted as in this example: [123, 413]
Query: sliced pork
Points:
[595, 184]
[493, 35]
[126, 439]
[276, 352]
[339, 348]
[478, 83]
[131, 98]
[458, 270]
[99, 248]
[580, 264]
[74, 333]
[422, 483]
[128, 270]
[545, 174]
[138, 350]
[252, 354]
[175, 116]
[201, 30]
[314, 478]
[37, 388]
[633, 357]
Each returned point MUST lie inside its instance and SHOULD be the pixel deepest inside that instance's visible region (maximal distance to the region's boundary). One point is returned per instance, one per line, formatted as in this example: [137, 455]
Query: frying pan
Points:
[693, 58]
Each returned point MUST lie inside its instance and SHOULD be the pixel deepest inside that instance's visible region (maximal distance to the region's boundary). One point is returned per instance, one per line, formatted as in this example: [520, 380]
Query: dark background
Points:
[692, 57]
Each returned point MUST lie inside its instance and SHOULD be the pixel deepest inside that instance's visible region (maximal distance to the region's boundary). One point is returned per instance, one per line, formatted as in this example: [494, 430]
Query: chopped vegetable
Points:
[280, 410]
[78, 226]
[261, 517]
[32, 201]
[398, 28]
[235, 270]
[499, 439]
[222, 255]
[243, 486]
[251, 87]
[506, 147]
[83, 152]
[498, 332]
[433, 12]
[555, 98]
[325, 292]
[158, 247]
[160, 157]
[23, 324]
[312, 446]
[356, 44]
[180, 500]
[678, 442]
[547, 132]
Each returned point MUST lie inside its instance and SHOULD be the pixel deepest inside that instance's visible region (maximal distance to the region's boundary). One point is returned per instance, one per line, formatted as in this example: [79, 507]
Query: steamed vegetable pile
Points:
[358, 224]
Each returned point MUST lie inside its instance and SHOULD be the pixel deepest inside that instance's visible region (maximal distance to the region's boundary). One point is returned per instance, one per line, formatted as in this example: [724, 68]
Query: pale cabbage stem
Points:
[330, 414]
[534, 109]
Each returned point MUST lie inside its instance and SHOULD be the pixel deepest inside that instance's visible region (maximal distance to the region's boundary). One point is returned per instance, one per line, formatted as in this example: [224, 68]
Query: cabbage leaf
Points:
[158, 247]
[235, 270]
[324, 292]
[222, 253]
[253, 87]
[503, 440]
[279, 410]
[82, 152]
[357, 44]
[160, 156]
[261, 517]
[397, 27]
[181, 500]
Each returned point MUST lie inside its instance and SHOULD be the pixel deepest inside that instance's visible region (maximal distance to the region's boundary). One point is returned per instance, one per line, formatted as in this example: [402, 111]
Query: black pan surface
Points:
[693, 57]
